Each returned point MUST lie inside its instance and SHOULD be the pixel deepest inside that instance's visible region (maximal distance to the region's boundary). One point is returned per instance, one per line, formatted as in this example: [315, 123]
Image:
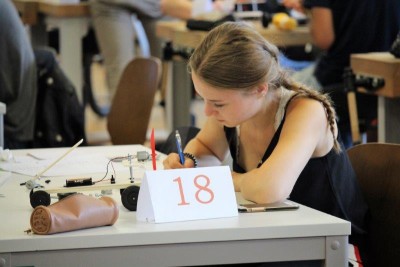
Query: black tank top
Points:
[327, 184]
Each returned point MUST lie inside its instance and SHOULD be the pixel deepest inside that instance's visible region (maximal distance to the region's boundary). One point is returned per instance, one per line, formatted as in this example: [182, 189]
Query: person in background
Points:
[181, 9]
[115, 34]
[282, 135]
[18, 79]
[112, 21]
[341, 28]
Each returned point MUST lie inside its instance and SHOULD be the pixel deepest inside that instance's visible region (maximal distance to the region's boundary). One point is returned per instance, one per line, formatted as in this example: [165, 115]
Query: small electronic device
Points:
[255, 207]
[142, 155]
[78, 182]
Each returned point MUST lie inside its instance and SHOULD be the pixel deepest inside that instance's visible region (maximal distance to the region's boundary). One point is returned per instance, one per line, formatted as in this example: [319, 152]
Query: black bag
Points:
[207, 25]
[59, 115]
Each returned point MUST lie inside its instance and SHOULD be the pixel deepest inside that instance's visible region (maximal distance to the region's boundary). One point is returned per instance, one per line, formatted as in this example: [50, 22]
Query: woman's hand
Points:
[173, 162]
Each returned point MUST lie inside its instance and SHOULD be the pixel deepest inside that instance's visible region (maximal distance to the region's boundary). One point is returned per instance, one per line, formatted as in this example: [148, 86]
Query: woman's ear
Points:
[262, 89]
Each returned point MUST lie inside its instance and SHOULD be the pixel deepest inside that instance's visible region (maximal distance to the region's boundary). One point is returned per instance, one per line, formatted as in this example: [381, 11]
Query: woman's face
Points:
[229, 107]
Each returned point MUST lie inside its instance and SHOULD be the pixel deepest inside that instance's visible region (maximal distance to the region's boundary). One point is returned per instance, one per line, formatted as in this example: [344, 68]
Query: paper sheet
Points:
[4, 176]
[78, 164]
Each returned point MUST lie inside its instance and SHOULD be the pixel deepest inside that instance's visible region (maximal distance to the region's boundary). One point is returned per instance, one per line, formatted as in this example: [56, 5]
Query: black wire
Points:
[111, 160]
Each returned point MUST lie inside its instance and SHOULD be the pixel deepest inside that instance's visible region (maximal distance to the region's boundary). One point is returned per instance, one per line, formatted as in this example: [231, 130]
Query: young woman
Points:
[282, 136]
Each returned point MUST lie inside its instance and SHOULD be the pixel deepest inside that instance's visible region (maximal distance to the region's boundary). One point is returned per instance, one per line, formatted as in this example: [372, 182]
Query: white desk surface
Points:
[253, 237]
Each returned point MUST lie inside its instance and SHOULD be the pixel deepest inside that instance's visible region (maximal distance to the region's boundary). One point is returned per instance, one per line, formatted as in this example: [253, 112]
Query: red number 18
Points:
[200, 187]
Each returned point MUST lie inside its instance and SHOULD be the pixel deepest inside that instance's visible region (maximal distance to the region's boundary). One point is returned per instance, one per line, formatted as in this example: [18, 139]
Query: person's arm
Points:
[294, 4]
[305, 134]
[321, 27]
[183, 9]
[177, 8]
[209, 147]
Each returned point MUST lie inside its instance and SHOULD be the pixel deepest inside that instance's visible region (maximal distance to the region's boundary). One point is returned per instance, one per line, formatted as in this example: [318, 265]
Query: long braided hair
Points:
[235, 56]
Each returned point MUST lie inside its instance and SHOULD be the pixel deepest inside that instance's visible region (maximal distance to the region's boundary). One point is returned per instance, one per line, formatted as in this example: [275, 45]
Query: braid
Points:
[326, 101]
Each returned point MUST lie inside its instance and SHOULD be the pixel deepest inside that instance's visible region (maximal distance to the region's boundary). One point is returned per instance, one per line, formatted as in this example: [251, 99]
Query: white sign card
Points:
[186, 194]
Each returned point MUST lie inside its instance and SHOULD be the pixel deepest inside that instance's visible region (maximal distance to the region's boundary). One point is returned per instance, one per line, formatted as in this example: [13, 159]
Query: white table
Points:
[254, 237]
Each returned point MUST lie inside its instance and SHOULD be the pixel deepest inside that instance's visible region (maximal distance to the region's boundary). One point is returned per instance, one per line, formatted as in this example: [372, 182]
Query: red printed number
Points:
[203, 188]
[183, 201]
[200, 197]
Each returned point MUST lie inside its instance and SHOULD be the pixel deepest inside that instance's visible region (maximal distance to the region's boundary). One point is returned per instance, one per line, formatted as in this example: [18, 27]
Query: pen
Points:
[258, 209]
[153, 150]
[179, 146]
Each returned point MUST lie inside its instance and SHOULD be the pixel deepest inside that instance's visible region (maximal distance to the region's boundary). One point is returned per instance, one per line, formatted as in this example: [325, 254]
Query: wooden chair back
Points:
[377, 166]
[130, 111]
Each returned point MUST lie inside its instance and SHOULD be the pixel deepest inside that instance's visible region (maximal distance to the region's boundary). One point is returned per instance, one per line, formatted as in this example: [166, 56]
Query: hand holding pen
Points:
[177, 160]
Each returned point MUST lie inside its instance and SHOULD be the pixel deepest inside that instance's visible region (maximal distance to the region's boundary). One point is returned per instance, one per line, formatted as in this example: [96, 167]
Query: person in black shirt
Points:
[341, 28]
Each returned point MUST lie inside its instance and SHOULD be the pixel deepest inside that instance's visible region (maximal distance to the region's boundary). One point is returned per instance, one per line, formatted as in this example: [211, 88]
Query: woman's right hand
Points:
[173, 162]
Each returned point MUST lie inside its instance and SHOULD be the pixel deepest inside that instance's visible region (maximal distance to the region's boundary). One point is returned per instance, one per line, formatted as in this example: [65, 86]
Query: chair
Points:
[377, 166]
[130, 111]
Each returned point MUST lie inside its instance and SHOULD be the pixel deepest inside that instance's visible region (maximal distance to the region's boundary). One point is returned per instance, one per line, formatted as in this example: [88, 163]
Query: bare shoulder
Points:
[308, 117]
[301, 106]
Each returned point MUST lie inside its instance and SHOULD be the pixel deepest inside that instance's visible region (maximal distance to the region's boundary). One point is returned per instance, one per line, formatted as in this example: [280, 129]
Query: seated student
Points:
[282, 135]
[18, 79]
